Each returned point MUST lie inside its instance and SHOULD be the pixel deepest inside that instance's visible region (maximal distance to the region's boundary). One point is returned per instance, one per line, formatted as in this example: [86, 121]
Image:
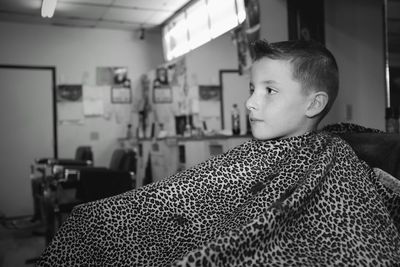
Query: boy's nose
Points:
[251, 103]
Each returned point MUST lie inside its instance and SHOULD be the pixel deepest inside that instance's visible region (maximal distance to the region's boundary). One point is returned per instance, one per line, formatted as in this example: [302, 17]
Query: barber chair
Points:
[44, 174]
[81, 184]
[48, 168]
[381, 150]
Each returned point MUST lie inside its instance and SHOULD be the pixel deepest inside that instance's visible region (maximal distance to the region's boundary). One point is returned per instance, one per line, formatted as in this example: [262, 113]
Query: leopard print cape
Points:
[300, 201]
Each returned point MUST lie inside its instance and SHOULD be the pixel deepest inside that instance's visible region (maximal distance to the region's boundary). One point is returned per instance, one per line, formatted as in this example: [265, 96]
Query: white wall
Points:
[76, 52]
[206, 61]
[274, 21]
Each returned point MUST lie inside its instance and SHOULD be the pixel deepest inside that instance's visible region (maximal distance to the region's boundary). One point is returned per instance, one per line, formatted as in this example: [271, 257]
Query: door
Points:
[27, 132]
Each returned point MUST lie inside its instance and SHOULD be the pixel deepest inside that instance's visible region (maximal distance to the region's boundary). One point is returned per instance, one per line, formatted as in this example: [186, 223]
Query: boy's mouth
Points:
[252, 119]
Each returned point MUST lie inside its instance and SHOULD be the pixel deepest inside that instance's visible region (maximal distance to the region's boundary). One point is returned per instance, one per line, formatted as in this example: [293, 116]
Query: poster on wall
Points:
[246, 34]
[93, 104]
[252, 22]
[69, 93]
[162, 92]
[121, 95]
[210, 106]
[69, 104]
[117, 79]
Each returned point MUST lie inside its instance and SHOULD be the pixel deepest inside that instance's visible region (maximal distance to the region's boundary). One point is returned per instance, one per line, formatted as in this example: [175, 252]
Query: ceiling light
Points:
[48, 7]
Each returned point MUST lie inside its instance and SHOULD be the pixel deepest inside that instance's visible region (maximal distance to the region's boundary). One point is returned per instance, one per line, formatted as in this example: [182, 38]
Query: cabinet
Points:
[171, 155]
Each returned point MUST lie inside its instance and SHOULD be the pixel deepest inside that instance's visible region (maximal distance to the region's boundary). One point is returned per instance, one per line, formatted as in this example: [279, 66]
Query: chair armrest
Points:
[63, 162]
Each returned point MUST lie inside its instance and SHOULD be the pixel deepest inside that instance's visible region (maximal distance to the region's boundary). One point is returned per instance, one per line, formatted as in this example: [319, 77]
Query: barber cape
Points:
[300, 201]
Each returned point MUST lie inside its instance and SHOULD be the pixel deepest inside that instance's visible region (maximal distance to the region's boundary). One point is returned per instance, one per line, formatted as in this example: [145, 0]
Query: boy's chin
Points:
[265, 136]
[273, 136]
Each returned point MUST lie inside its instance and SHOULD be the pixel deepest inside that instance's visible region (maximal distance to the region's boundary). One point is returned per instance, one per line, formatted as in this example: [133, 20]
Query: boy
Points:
[293, 85]
[290, 197]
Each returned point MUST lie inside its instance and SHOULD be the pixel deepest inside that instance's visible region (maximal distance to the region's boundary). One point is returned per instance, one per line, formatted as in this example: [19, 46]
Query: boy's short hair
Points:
[313, 64]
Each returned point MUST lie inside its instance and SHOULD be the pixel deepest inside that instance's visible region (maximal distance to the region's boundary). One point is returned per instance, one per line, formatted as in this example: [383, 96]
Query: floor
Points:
[20, 242]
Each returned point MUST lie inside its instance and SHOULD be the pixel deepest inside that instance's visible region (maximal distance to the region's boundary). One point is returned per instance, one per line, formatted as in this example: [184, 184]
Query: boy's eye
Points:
[251, 89]
[270, 91]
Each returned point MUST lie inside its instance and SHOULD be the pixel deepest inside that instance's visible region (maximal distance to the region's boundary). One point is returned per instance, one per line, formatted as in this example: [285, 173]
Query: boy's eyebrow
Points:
[269, 82]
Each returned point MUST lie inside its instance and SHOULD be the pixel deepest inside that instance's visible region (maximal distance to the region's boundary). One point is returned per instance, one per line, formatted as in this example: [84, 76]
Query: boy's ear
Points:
[317, 103]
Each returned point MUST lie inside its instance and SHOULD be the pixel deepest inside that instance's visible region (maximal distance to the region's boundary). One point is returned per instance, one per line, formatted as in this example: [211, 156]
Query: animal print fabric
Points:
[301, 201]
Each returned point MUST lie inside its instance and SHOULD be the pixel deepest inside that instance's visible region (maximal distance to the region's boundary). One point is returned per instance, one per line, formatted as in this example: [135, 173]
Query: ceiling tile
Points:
[129, 15]
[147, 4]
[94, 2]
[74, 10]
[158, 17]
[117, 25]
[20, 18]
[176, 4]
[73, 22]
[21, 5]
[165, 5]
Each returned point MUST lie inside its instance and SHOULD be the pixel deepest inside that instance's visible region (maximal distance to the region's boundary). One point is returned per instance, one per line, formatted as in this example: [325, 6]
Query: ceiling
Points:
[131, 14]
[115, 14]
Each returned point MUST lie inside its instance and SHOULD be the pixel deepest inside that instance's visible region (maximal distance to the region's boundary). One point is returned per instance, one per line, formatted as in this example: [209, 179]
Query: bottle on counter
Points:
[235, 113]
[129, 133]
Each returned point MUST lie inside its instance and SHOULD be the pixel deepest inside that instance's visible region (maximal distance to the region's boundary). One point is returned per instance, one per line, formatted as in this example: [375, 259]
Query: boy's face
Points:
[277, 103]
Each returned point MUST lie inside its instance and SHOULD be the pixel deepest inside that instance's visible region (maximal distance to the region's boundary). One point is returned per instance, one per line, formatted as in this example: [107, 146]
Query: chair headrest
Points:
[380, 150]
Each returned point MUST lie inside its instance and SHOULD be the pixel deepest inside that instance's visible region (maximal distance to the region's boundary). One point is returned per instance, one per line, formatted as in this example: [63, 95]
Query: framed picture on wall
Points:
[69, 93]
[306, 20]
[162, 93]
[121, 95]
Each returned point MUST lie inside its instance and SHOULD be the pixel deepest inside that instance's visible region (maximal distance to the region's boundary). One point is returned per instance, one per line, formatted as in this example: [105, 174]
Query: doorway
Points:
[28, 131]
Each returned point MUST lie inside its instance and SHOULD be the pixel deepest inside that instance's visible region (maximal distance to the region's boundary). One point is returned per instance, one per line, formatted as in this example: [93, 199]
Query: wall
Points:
[354, 34]
[274, 22]
[206, 61]
[76, 52]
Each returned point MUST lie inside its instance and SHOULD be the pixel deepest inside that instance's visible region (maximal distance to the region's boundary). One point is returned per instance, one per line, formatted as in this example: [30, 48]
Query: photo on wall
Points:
[162, 91]
[117, 79]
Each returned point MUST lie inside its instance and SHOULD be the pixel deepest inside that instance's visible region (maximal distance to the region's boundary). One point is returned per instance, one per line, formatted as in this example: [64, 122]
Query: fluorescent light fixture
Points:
[200, 22]
[223, 16]
[48, 8]
[241, 11]
[198, 26]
